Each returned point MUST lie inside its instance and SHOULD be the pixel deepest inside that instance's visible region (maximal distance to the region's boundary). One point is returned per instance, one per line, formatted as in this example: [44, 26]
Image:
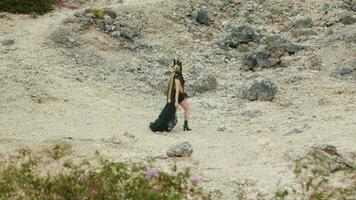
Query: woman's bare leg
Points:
[186, 108]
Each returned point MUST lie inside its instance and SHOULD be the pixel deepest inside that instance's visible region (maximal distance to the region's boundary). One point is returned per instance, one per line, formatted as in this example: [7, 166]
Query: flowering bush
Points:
[111, 180]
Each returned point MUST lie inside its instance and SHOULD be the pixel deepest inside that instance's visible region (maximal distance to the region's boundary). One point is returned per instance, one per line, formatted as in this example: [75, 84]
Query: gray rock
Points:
[206, 82]
[110, 13]
[221, 129]
[326, 158]
[291, 48]
[126, 134]
[65, 37]
[249, 62]
[259, 60]
[307, 127]
[276, 41]
[251, 113]
[303, 32]
[264, 61]
[259, 89]
[242, 35]
[347, 19]
[345, 72]
[184, 149]
[303, 23]
[202, 17]
[294, 131]
[79, 14]
[348, 4]
[270, 55]
[8, 42]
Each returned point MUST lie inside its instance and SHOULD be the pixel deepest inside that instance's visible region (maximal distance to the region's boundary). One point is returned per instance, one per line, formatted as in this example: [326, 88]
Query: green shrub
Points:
[60, 150]
[322, 174]
[96, 12]
[110, 180]
[26, 6]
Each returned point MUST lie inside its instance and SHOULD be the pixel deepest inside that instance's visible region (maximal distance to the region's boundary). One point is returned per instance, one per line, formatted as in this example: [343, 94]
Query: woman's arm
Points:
[177, 84]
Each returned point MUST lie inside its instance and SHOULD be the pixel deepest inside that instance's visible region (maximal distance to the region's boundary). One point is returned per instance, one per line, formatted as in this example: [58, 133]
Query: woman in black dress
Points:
[175, 97]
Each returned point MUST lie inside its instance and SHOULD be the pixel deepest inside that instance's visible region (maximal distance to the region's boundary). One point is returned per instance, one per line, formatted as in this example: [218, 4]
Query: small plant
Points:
[109, 180]
[26, 6]
[59, 150]
[96, 12]
[281, 194]
[317, 172]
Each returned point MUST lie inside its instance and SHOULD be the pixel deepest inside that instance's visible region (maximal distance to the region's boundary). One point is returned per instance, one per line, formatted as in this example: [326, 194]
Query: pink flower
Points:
[195, 180]
[151, 173]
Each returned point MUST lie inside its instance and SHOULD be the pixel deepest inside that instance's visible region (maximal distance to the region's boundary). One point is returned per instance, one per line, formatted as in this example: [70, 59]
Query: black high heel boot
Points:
[186, 127]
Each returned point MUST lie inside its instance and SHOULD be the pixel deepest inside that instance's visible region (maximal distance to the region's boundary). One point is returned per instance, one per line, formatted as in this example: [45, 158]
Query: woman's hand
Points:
[176, 104]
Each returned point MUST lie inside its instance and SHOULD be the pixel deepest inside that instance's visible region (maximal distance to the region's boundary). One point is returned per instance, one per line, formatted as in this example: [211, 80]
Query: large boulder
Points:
[184, 149]
[326, 158]
[259, 89]
[242, 35]
[270, 55]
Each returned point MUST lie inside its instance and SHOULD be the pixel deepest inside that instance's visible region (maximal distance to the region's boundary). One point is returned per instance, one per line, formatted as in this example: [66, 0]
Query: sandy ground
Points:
[39, 105]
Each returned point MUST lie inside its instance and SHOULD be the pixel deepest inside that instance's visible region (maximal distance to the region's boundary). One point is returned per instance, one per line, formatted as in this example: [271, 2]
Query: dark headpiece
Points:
[177, 66]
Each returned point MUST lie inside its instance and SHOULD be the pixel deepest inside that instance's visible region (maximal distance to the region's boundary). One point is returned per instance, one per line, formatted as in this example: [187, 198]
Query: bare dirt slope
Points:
[47, 96]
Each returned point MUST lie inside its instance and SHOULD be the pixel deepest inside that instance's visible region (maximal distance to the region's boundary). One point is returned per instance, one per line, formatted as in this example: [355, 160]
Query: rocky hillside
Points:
[268, 79]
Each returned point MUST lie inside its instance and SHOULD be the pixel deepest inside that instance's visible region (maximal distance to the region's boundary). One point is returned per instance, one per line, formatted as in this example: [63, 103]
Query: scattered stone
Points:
[241, 35]
[303, 32]
[345, 72]
[270, 56]
[303, 23]
[294, 131]
[251, 113]
[258, 60]
[347, 19]
[108, 22]
[259, 89]
[206, 82]
[184, 149]
[126, 134]
[201, 16]
[222, 129]
[8, 42]
[249, 63]
[316, 63]
[283, 45]
[65, 37]
[328, 158]
[348, 4]
[307, 126]
[264, 61]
